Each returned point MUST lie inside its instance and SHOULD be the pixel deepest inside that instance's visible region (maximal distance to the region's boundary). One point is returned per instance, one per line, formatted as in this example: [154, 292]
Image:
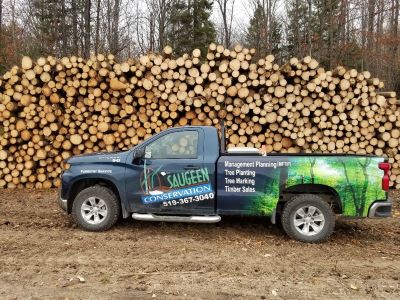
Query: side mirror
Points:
[139, 153]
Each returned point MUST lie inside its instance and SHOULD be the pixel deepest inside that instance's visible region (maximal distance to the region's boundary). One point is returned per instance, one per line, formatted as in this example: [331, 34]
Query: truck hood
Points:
[116, 156]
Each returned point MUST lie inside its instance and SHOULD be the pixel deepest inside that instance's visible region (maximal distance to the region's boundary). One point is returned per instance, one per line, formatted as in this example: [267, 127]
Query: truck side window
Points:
[181, 144]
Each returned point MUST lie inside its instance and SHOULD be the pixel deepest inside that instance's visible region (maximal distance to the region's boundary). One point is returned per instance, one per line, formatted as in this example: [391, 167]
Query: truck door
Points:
[173, 177]
[250, 185]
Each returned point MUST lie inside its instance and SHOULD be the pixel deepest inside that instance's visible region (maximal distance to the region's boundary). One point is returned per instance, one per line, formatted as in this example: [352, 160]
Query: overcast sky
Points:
[240, 12]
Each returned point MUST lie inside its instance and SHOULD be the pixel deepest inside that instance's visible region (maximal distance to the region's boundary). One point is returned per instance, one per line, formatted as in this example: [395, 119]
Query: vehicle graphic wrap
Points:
[357, 180]
[176, 188]
[253, 185]
[250, 184]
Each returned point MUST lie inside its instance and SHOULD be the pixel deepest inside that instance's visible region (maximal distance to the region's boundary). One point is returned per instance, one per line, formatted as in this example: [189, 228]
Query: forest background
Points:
[361, 34]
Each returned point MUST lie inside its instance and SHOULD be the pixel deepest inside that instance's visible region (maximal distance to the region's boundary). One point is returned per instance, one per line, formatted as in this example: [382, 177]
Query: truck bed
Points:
[253, 184]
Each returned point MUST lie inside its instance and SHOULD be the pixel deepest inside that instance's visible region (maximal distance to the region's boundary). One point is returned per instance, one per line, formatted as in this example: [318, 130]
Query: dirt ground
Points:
[44, 256]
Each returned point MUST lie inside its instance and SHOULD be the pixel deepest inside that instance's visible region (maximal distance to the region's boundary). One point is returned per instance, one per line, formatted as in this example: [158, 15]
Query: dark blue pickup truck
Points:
[186, 175]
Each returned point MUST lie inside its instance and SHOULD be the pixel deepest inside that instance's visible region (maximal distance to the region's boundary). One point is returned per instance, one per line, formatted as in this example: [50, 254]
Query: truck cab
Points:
[184, 174]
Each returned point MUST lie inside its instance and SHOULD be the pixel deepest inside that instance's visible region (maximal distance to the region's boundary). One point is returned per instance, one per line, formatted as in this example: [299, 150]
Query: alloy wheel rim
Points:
[309, 220]
[94, 210]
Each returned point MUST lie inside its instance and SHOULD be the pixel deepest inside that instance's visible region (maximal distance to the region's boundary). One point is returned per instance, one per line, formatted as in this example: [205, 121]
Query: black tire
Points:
[111, 206]
[299, 232]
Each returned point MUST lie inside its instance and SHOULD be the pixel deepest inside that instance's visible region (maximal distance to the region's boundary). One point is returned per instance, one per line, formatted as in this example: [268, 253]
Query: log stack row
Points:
[51, 109]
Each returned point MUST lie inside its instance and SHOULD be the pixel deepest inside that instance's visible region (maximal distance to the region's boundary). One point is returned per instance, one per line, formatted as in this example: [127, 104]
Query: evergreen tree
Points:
[264, 33]
[47, 23]
[297, 28]
[254, 33]
[326, 30]
[190, 26]
[314, 28]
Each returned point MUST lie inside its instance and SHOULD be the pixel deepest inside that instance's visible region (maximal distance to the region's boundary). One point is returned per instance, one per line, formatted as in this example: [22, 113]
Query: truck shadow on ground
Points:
[260, 228]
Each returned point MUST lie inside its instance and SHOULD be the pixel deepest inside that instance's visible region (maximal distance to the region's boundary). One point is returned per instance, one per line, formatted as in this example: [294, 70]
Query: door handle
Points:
[191, 167]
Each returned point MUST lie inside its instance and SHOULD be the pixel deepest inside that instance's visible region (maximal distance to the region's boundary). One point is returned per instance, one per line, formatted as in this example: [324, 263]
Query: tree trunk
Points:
[75, 42]
[309, 33]
[268, 22]
[283, 178]
[223, 8]
[312, 164]
[297, 41]
[1, 17]
[63, 29]
[349, 184]
[114, 47]
[195, 19]
[348, 22]
[162, 22]
[379, 29]
[392, 72]
[97, 41]
[152, 32]
[330, 34]
[13, 22]
[87, 29]
[360, 209]
[370, 24]
[343, 22]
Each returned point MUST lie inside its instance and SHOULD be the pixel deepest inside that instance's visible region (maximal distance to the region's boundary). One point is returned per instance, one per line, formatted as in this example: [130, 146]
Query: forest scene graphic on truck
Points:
[175, 188]
[355, 180]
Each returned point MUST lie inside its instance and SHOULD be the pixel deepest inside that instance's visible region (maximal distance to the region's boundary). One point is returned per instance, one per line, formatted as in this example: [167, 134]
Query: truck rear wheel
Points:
[96, 208]
[308, 218]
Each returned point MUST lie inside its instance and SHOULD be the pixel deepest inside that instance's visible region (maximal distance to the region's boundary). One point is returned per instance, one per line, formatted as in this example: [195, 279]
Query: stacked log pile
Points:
[51, 109]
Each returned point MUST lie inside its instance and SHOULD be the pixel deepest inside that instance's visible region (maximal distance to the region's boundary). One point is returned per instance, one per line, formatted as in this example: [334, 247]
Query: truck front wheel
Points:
[308, 218]
[96, 208]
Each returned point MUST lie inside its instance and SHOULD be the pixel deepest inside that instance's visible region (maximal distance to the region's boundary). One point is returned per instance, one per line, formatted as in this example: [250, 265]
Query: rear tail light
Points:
[385, 166]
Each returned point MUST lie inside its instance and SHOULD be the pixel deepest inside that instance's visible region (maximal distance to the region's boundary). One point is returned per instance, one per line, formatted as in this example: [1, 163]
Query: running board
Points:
[165, 218]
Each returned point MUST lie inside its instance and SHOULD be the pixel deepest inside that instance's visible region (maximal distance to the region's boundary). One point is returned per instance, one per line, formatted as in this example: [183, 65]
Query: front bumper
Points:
[380, 209]
[63, 203]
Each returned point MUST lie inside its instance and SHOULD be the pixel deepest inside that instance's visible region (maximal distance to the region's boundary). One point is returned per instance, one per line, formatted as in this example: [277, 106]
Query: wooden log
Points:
[52, 109]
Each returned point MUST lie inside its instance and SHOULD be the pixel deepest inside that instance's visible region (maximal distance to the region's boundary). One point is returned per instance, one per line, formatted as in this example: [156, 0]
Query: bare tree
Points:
[127, 42]
[164, 7]
[1, 16]
[13, 21]
[370, 22]
[263, 30]
[87, 28]
[362, 34]
[74, 18]
[63, 29]
[114, 41]
[394, 26]
[297, 29]
[140, 32]
[395, 21]
[226, 10]
[97, 37]
[153, 10]
[156, 18]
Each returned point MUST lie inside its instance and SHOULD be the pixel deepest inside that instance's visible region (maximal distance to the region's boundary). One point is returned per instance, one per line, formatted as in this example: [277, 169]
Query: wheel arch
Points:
[84, 183]
[329, 194]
